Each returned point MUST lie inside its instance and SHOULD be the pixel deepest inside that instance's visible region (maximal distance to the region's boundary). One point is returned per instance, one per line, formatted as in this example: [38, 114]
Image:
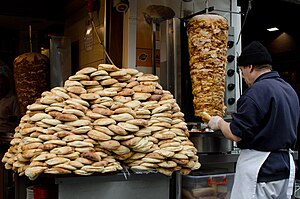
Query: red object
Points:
[40, 192]
[45, 192]
[90, 5]
[211, 181]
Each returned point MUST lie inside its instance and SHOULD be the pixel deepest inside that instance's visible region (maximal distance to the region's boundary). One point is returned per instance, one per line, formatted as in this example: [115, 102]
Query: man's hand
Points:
[217, 123]
[213, 122]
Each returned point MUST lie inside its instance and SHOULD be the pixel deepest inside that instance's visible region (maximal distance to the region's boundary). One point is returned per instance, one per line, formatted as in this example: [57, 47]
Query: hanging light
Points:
[88, 38]
[272, 29]
[89, 28]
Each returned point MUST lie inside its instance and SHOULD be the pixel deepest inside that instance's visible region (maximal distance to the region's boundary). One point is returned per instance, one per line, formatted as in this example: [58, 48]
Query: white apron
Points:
[247, 168]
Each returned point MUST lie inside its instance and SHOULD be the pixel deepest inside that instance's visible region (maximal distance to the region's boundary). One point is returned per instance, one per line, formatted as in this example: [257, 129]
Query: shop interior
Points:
[283, 43]
[257, 16]
[29, 26]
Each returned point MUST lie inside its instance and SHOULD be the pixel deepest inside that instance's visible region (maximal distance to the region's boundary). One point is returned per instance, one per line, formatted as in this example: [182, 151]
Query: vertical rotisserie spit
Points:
[207, 43]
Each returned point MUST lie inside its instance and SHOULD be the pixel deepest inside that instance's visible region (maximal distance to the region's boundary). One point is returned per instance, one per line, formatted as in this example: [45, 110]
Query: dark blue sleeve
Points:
[247, 118]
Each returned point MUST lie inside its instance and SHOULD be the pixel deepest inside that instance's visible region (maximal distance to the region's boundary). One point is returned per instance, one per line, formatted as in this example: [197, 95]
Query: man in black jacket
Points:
[264, 127]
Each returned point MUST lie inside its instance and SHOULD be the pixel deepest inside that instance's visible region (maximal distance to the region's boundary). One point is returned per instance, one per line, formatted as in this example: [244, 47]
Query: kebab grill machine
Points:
[208, 72]
[198, 63]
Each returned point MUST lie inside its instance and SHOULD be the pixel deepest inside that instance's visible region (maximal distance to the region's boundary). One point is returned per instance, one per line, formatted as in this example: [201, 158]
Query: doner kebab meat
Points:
[207, 43]
[102, 120]
[31, 75]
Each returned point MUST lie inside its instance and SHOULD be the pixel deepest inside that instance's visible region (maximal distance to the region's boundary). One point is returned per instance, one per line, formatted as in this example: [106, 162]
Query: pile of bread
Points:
[104, 119]
[207, 42]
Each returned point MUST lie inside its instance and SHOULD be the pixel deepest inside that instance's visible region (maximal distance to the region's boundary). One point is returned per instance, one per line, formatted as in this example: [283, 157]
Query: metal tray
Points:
[211, 142]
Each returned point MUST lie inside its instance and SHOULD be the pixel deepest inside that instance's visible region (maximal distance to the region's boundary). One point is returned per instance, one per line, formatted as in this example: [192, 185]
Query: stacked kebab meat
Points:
[207, 43]
[31, 75]
[102, 120]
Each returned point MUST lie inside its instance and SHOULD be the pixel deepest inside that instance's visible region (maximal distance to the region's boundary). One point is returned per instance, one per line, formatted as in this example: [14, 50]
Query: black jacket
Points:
[266, 119]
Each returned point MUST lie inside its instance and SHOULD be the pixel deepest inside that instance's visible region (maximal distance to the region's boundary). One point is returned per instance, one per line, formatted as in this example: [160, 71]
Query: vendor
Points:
[9, 120]
[9, 107]
[264, 127]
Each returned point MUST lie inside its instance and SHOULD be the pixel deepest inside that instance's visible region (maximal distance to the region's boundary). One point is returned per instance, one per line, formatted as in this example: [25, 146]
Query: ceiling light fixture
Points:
[272, 29]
